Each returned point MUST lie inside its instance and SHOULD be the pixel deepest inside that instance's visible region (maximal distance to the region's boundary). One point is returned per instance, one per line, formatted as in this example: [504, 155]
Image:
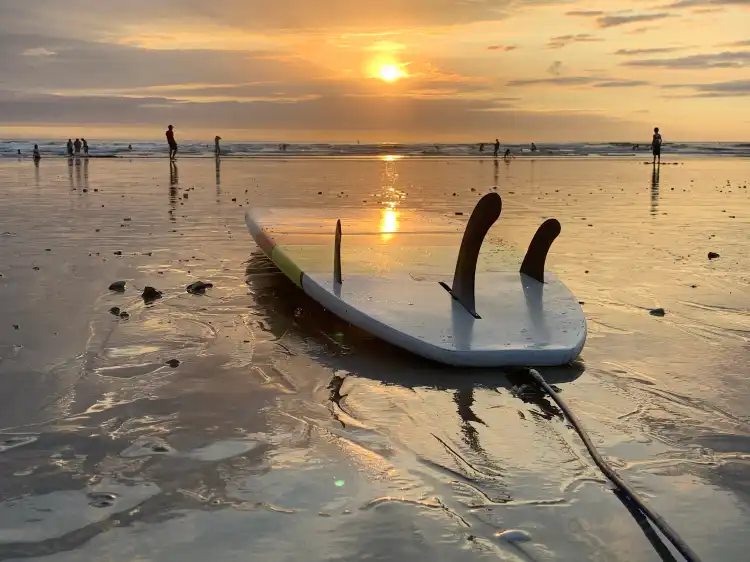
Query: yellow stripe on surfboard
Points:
[286, 265]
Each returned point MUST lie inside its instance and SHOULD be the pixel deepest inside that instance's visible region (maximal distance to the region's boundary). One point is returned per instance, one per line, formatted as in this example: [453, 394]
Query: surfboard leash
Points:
[625, 490]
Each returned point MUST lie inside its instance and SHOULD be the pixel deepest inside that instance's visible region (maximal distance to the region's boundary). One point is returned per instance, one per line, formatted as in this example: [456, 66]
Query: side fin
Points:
[536, 255]
[484, 215]
[337, 254]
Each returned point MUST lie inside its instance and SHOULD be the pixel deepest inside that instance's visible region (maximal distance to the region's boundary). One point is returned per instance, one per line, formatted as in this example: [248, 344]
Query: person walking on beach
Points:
[70, 147]
[77, 146]
[85, 146]
[217, 148]
[37, 156]
[497, 147]
[172, 143]
[656, 145]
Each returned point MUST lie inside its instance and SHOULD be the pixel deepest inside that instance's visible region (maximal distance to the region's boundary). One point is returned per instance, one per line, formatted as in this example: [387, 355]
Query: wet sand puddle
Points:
[248, 422]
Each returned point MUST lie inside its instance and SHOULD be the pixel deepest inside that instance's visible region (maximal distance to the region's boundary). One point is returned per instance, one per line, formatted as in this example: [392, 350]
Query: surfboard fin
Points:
[536, 255]
[484, 215]
[337, 254]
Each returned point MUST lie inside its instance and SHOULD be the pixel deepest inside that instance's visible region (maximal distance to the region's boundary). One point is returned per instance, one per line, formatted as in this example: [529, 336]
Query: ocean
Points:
[249, 149]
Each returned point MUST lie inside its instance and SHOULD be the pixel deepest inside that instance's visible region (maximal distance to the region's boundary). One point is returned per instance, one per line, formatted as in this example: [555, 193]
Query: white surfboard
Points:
[394, 281]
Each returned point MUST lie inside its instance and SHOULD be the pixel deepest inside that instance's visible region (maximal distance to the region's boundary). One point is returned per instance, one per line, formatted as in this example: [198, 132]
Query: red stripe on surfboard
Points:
[265, 242]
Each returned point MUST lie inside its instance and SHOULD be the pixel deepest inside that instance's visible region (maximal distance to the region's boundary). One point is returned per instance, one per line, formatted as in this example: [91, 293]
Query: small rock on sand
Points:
[124, 315]
[199, 287]
[118, 286]
[115, 311]
[174, 363]
[713, 255]
[118, 253]
[514, 535]
[657, 312]
[150, 294]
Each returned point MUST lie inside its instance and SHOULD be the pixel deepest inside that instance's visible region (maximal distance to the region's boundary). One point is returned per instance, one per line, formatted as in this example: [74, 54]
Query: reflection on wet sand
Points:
[655, 189]
[287, 433]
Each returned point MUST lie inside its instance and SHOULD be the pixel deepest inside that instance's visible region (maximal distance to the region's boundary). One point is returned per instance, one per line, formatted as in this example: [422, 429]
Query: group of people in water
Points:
[507, 154]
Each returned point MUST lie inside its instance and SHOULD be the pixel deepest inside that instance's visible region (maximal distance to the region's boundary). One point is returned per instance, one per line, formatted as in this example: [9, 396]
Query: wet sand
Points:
[284, 434]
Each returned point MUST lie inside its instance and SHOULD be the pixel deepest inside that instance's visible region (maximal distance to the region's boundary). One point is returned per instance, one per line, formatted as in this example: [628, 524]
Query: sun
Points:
[390, 72]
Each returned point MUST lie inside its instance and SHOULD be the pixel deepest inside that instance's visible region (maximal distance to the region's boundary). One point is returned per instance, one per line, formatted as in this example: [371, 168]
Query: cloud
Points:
[593, 81]
[92, 19]
[584, 13]
[555, 68]
[649, 51]
[563, 40]
[38, 52]
[333, 114]
[731, 88]
[613, 21]
[742, 43]
[621, 84]
[504, 48]
[727, 59]
[700, 3]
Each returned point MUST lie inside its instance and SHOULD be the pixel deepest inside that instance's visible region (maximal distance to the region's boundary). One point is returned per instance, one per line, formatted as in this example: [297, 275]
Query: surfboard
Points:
[420, 282]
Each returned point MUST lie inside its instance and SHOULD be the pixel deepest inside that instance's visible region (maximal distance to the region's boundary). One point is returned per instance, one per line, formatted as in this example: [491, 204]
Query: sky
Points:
[376, 70]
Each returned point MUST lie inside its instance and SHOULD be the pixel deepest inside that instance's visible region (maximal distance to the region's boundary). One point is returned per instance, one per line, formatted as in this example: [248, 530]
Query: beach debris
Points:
[118, 286]
[16, 326]
[174, 363]
[320, 193]
[48, 249]
[115, 311]
[124, 315]
[713, 255]
[657, 312]
[35, 268]
[693, 286]
[459, 213]
[184, 195]
[150, 295]
[101, 499]
[514, 535]
[234, 199]
[118, 252]
[198, 288]
[127, 219]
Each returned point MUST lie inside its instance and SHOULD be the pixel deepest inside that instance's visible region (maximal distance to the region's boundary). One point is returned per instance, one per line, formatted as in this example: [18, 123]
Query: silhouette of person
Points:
[77, 146]
[217, 148]
[172, 143]
[497, 147]
[656, 145]
[37, 155]
[85, 146]
[69, 147]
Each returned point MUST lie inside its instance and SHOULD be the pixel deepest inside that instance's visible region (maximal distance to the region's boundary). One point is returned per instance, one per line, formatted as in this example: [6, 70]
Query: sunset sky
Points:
[463, 70]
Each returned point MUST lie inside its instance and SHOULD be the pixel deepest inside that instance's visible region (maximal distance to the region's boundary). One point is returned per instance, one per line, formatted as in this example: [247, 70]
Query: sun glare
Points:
[390, 72]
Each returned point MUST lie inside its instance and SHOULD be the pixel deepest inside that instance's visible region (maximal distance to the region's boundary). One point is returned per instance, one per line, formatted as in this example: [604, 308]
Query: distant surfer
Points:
[37, 155]
[497, 147]
[217, 148]
[69, 146]
[656, 145]
[533, 147]
[130, 147]
[481, 147]
[507, 154]
[171, 142]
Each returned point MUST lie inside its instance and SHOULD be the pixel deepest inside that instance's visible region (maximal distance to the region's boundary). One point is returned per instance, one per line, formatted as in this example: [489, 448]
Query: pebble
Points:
[199, 287]
[115, 311]
[713, 255]
[514, 535]
[174, 363]
[118, 253]
[118, 286]
[657, 312]
[150, 294]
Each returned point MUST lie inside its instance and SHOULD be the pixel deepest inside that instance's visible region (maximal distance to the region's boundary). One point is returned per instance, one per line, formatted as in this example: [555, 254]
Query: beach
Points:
[240, 452]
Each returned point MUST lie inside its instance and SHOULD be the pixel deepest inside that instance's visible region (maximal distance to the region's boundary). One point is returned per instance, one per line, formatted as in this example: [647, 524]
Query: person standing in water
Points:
[497, 147]
[77, 146]
[217, 148]
[70, 147]
[37, 156]
[656, 145]
[85, 146]
[172, 143]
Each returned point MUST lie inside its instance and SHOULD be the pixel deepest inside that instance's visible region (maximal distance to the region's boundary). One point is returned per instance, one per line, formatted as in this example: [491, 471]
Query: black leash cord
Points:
[655, 518]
